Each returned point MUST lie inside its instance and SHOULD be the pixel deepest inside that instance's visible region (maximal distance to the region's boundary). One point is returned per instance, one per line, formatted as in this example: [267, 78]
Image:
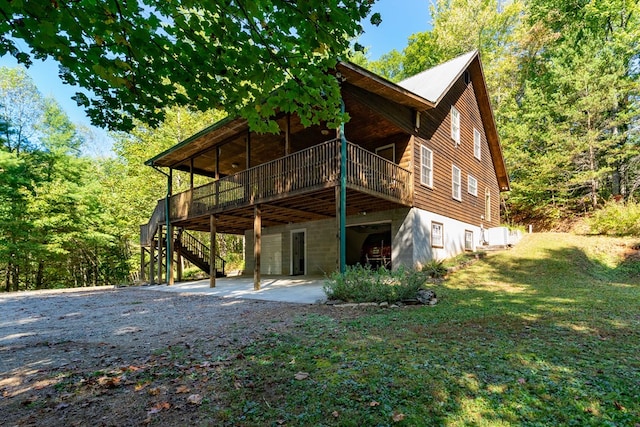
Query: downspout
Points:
[167, 221]
[343, 194]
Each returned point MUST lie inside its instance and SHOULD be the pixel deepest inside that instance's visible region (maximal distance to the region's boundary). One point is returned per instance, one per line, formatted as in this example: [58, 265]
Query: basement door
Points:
[298, 250]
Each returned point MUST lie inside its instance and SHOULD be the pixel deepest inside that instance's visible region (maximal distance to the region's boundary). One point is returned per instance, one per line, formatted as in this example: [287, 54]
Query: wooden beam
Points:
[142, 250]
[168, 255]
[212, 251]
[191, 173]
[179, 261]
[257, 245]
[152, 247]
[160, 245]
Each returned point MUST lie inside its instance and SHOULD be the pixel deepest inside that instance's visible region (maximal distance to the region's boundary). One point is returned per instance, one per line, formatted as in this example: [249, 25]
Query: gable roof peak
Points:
[434, 83]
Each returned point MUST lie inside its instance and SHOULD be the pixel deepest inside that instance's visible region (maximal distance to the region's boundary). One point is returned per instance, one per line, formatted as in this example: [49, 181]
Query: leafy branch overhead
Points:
[133, 58]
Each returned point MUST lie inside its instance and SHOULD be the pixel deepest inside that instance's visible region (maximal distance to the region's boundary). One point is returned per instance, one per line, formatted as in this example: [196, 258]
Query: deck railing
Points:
[373, 174]
[316, 167]
[148, 230]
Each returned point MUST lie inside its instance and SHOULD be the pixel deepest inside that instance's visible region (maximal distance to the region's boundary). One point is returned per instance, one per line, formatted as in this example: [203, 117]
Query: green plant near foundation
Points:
[362, 284]
[435, 269]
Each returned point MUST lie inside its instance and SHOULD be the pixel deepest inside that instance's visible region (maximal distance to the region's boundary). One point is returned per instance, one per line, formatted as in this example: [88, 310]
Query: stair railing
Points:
[200, 250]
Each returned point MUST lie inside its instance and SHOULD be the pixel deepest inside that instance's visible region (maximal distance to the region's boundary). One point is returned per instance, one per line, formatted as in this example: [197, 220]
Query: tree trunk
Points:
[39, 274]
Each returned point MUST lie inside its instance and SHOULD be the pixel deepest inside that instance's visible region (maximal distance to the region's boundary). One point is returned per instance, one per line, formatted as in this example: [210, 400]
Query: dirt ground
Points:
[100, 356]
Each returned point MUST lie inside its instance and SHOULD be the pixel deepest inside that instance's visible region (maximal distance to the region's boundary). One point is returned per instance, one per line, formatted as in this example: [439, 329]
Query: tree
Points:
[578, 105]
[248, 57]
[54, 231]
[20, 102]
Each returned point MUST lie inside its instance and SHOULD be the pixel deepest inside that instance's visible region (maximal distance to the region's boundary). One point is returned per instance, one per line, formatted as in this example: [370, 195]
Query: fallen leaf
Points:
[109, 382]
[374, 403]
[158, 407]
[397, 417]
[183, 389]
[194, 399]
[154, 391]
[301, 376]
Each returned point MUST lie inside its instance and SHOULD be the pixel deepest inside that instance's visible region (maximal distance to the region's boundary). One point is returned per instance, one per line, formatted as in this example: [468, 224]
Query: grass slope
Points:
[545, 334]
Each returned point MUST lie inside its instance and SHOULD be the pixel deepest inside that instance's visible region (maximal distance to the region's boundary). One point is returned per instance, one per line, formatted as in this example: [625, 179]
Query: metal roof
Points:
[434, 83]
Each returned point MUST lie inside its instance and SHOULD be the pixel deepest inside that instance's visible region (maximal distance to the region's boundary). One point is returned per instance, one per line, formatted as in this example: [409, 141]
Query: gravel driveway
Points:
[46, 335]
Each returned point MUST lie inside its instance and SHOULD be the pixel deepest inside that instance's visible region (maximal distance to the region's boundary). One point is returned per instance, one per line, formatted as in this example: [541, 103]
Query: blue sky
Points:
[400, 19]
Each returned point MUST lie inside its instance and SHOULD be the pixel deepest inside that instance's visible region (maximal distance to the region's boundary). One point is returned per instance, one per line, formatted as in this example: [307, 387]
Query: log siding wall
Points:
[435, 134]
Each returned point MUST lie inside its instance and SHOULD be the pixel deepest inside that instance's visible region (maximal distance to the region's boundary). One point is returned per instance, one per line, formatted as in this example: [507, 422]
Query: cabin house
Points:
[415, 175]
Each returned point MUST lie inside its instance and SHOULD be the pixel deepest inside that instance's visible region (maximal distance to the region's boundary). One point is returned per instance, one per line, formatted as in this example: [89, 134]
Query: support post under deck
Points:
[152, 247]
[257, 245]
[212, 251]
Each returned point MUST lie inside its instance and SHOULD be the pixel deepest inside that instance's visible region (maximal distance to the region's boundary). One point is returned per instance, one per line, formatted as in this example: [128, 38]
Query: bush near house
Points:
[363, 284]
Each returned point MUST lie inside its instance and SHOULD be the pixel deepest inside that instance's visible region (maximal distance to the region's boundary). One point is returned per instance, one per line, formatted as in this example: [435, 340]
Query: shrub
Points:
[435, 269]
[362, 284]
[618, 219]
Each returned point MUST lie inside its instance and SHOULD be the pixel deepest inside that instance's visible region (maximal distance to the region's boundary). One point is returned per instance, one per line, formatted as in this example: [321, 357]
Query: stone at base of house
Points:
[424, 297]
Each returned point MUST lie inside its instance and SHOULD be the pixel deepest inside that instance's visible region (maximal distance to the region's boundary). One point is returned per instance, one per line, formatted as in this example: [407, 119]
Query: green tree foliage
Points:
[54, 230]
[132, 56]
[141, 186]
[570, 132]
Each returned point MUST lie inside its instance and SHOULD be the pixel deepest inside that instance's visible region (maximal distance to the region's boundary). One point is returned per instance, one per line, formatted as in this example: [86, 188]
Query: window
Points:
[455, 183]
[472, 185]
[437, 235]
[487, 205]
[426, 166]
[476, 143]
[468, 240]
[455, 125]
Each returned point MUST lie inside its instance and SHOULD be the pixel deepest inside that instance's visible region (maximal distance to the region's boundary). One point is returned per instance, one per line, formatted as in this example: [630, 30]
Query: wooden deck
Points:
[295, 188]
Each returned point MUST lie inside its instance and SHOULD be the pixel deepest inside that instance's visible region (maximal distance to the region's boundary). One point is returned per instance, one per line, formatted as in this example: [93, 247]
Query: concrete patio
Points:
[299, 289]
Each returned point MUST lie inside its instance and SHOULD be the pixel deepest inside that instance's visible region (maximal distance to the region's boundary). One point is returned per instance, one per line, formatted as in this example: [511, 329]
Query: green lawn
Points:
[547, 333]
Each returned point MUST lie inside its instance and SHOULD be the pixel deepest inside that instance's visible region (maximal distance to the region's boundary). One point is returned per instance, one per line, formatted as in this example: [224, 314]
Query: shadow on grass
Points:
[546, 338]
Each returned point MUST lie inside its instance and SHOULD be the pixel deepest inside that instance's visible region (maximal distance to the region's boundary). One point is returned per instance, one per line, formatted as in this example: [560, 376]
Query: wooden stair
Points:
[197, 253]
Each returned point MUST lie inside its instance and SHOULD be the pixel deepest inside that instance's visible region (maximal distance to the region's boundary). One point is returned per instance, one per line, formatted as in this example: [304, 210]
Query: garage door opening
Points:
[369, 245]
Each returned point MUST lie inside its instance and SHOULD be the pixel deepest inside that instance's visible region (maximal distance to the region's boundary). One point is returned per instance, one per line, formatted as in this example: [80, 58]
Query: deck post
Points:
[152, 247]
[169, 255]
[212, 251]
[160, 254]
[179, 260]
[257, 245]
[168, 252]
[141, 263]
[343, 195]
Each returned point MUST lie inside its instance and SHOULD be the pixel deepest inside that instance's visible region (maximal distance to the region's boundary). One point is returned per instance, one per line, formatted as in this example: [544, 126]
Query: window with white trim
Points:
[456, 183]
[476, 143]
[426, 166]
[455, 125]
[472, 185]
[468, 240]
